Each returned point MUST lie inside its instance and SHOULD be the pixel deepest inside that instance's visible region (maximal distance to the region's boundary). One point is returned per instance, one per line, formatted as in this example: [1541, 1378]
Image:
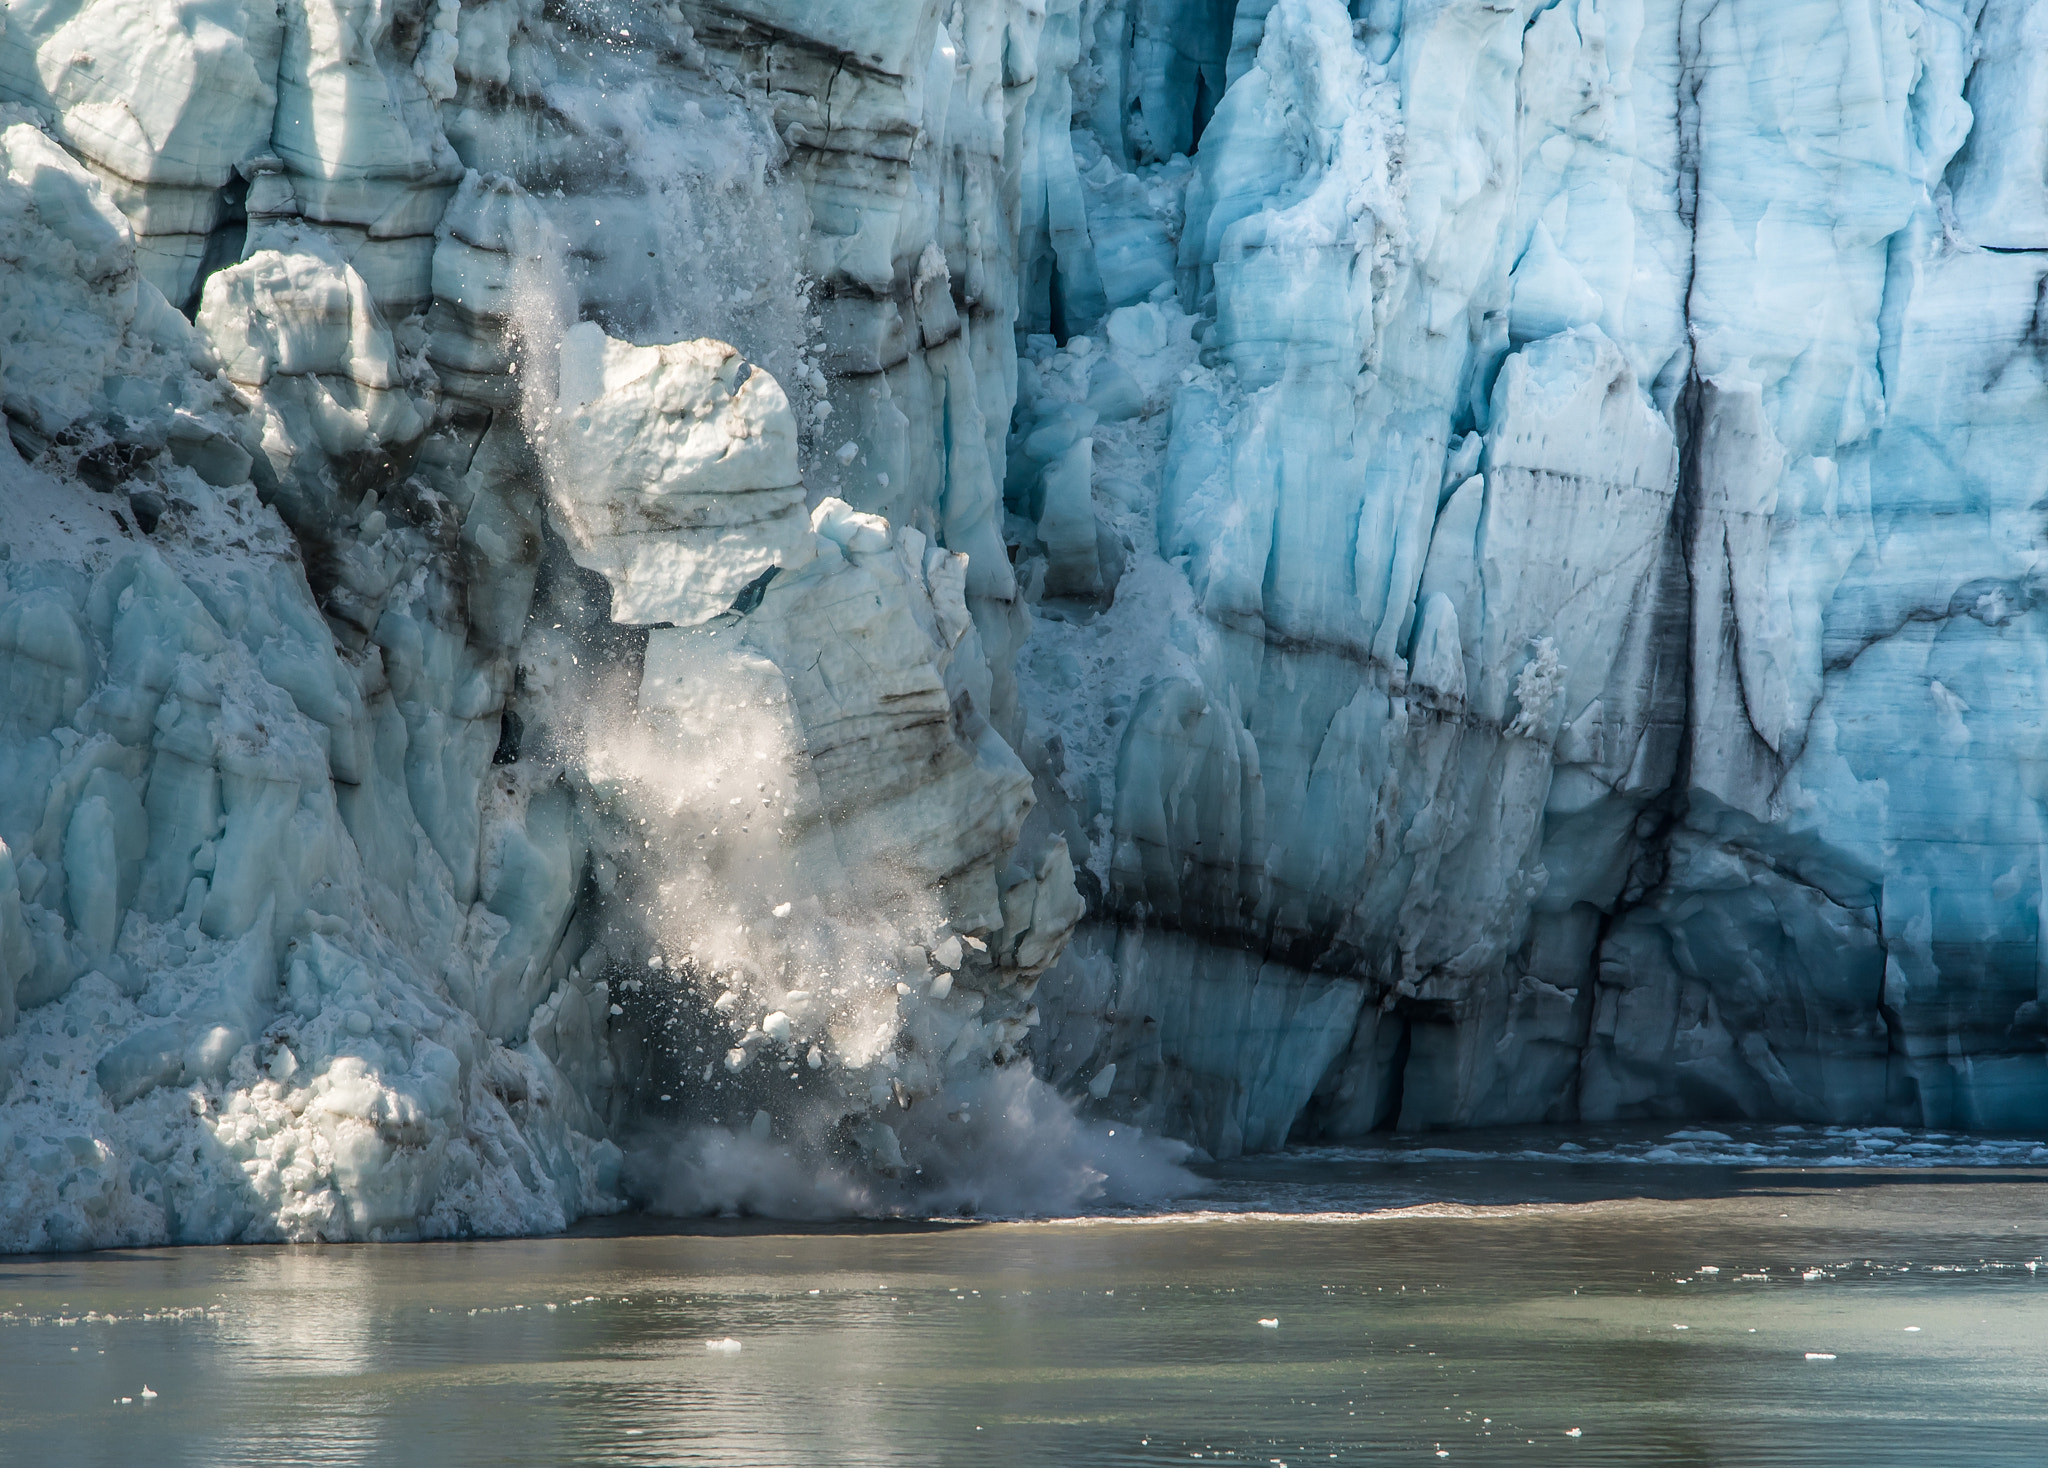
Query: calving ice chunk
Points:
[674, 473]
[844, 693]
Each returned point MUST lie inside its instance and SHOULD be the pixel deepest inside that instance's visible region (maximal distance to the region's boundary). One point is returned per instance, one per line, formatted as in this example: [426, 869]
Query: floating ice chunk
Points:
[845, 452]
[1820, 1355]
[1912, 1330]
[727, 1347]
[1271, 1322]
[147, 1394]
[1710, 1269]
[1574, 1432]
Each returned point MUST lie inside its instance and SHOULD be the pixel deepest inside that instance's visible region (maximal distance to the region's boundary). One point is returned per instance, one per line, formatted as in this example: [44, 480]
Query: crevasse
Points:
[796, 607]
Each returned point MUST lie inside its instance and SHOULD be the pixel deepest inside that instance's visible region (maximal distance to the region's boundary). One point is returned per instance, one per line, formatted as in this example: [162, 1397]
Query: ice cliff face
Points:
[715, 602]
[1595, 680]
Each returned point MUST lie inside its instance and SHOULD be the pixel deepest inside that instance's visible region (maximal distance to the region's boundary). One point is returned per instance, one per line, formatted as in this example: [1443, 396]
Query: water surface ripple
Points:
[1492, 1302]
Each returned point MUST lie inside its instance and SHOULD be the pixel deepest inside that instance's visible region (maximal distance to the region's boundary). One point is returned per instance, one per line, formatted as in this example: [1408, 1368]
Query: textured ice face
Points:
[1299, 570]
[1606, 661]
[345, 809]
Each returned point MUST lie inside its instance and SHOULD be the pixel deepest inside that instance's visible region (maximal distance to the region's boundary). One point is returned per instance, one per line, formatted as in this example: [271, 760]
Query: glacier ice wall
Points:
[712, 601]
[451, 695]
[1589, 673]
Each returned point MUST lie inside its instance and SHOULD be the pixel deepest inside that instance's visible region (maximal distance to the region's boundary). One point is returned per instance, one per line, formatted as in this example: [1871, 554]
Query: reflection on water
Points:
[1670, 1315]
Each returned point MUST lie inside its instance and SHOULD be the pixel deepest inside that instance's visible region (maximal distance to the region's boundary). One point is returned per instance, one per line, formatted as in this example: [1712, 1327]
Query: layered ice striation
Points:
[1581, 580]
[506, 634]
[799, 607]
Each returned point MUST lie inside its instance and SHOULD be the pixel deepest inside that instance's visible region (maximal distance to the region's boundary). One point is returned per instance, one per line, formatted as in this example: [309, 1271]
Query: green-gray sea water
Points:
[1398, 1311]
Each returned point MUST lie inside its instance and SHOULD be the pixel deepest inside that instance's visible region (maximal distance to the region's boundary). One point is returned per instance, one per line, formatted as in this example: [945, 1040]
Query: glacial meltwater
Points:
[1790, 1297]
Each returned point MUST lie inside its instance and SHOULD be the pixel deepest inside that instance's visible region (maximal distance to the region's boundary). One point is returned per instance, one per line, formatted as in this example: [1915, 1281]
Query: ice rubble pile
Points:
[242, 981]
[624, 575]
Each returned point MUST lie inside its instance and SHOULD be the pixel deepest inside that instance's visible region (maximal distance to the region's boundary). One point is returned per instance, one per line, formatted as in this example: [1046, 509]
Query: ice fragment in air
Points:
[781, 909]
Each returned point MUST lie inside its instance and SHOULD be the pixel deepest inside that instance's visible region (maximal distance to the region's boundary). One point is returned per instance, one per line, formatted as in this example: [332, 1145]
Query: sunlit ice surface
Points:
[1489, 1302]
